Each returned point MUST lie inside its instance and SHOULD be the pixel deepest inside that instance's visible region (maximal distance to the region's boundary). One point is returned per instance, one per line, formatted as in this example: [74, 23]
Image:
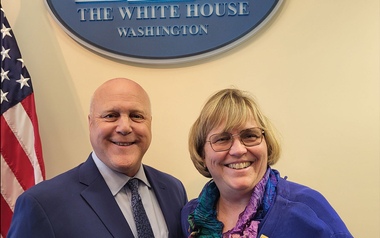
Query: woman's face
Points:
[239, 169]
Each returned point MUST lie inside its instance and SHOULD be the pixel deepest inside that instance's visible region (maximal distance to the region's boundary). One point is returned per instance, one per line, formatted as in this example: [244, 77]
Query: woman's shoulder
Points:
[189, 208]
[186, 210]
[296, 192]
[309, 207]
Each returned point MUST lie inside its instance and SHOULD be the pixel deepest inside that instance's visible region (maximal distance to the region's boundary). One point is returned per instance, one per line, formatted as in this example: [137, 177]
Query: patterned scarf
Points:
[203, 220]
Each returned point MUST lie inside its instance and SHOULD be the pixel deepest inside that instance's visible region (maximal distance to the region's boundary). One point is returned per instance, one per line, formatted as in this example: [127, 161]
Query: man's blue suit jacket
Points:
[79, 204]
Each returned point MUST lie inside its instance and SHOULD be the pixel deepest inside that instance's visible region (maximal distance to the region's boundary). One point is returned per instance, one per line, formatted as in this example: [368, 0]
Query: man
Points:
[93, 200]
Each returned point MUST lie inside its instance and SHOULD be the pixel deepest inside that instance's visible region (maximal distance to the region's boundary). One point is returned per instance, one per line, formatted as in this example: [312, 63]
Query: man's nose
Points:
[124, 125]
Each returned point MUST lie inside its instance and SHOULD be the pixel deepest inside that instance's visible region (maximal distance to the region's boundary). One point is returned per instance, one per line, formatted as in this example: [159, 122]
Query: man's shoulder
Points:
[57, 183]
[161, 179]
[155, 173]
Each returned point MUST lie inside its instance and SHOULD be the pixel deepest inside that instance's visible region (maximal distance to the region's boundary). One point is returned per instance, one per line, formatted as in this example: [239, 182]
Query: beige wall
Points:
[314, 69]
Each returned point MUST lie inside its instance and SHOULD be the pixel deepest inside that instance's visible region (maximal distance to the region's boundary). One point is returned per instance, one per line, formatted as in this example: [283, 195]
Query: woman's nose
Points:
[237, 148]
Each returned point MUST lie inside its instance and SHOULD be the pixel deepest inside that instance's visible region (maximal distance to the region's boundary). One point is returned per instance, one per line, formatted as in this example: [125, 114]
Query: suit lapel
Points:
[101, 200]
[164, 199]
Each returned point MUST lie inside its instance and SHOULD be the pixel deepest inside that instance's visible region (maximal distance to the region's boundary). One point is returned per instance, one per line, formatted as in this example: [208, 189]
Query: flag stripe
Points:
[22, 127]
[9, 193]
[21, 153]
[29, 106]
[15, 157]
[5, 212]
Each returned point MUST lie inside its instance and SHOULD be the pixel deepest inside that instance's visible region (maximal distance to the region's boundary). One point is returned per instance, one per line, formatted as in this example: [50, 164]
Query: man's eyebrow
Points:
[139, 111]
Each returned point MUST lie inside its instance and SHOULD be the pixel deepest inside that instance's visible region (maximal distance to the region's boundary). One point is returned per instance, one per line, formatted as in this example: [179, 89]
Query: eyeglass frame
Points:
[232, 137]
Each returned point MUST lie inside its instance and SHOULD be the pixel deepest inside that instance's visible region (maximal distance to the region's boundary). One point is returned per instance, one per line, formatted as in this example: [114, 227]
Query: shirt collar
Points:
[116, 180]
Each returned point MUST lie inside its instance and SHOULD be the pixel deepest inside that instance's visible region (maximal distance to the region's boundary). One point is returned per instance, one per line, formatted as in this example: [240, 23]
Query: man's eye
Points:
[137, 117]
[110, 117]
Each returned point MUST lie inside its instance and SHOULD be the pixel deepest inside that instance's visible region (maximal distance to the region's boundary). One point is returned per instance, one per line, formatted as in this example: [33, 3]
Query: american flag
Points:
[21, 153]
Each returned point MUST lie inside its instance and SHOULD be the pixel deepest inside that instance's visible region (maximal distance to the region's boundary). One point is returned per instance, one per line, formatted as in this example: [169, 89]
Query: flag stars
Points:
[4, 53]
[22, 62]
[23, 81]
[3, 96]
[4, 75]
[6, 31]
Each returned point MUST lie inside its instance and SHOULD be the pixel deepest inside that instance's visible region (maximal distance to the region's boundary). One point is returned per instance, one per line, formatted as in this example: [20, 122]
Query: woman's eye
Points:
[250, 136]
[221, 139]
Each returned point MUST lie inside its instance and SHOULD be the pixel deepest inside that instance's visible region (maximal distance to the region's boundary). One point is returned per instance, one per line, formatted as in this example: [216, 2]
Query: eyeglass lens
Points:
[223, 141]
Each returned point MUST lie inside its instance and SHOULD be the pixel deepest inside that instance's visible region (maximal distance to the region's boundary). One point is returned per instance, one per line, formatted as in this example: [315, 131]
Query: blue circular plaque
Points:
[161, 31]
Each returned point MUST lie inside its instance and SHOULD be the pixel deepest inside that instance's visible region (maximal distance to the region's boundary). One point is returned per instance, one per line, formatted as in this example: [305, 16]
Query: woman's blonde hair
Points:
[234, 108]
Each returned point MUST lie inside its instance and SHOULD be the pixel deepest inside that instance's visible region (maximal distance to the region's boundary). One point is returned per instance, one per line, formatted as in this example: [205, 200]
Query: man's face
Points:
[120, 125]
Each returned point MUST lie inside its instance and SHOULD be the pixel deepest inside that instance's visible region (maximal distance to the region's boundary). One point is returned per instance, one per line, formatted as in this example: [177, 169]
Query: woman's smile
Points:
[239, 165]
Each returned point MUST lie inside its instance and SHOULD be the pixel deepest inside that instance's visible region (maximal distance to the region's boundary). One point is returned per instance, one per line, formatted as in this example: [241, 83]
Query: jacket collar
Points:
[101, 200]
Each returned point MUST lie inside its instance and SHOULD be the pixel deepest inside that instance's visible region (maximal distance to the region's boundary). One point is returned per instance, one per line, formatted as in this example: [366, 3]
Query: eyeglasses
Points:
[249, 137]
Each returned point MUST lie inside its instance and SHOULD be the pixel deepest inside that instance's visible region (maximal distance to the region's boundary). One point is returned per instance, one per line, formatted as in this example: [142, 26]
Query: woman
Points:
[233, 143]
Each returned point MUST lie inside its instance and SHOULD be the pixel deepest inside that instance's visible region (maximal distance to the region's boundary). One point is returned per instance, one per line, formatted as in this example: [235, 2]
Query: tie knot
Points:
[133, 184]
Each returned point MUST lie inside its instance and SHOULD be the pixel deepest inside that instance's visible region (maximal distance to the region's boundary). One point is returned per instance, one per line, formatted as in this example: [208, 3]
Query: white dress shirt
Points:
[116, 183]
